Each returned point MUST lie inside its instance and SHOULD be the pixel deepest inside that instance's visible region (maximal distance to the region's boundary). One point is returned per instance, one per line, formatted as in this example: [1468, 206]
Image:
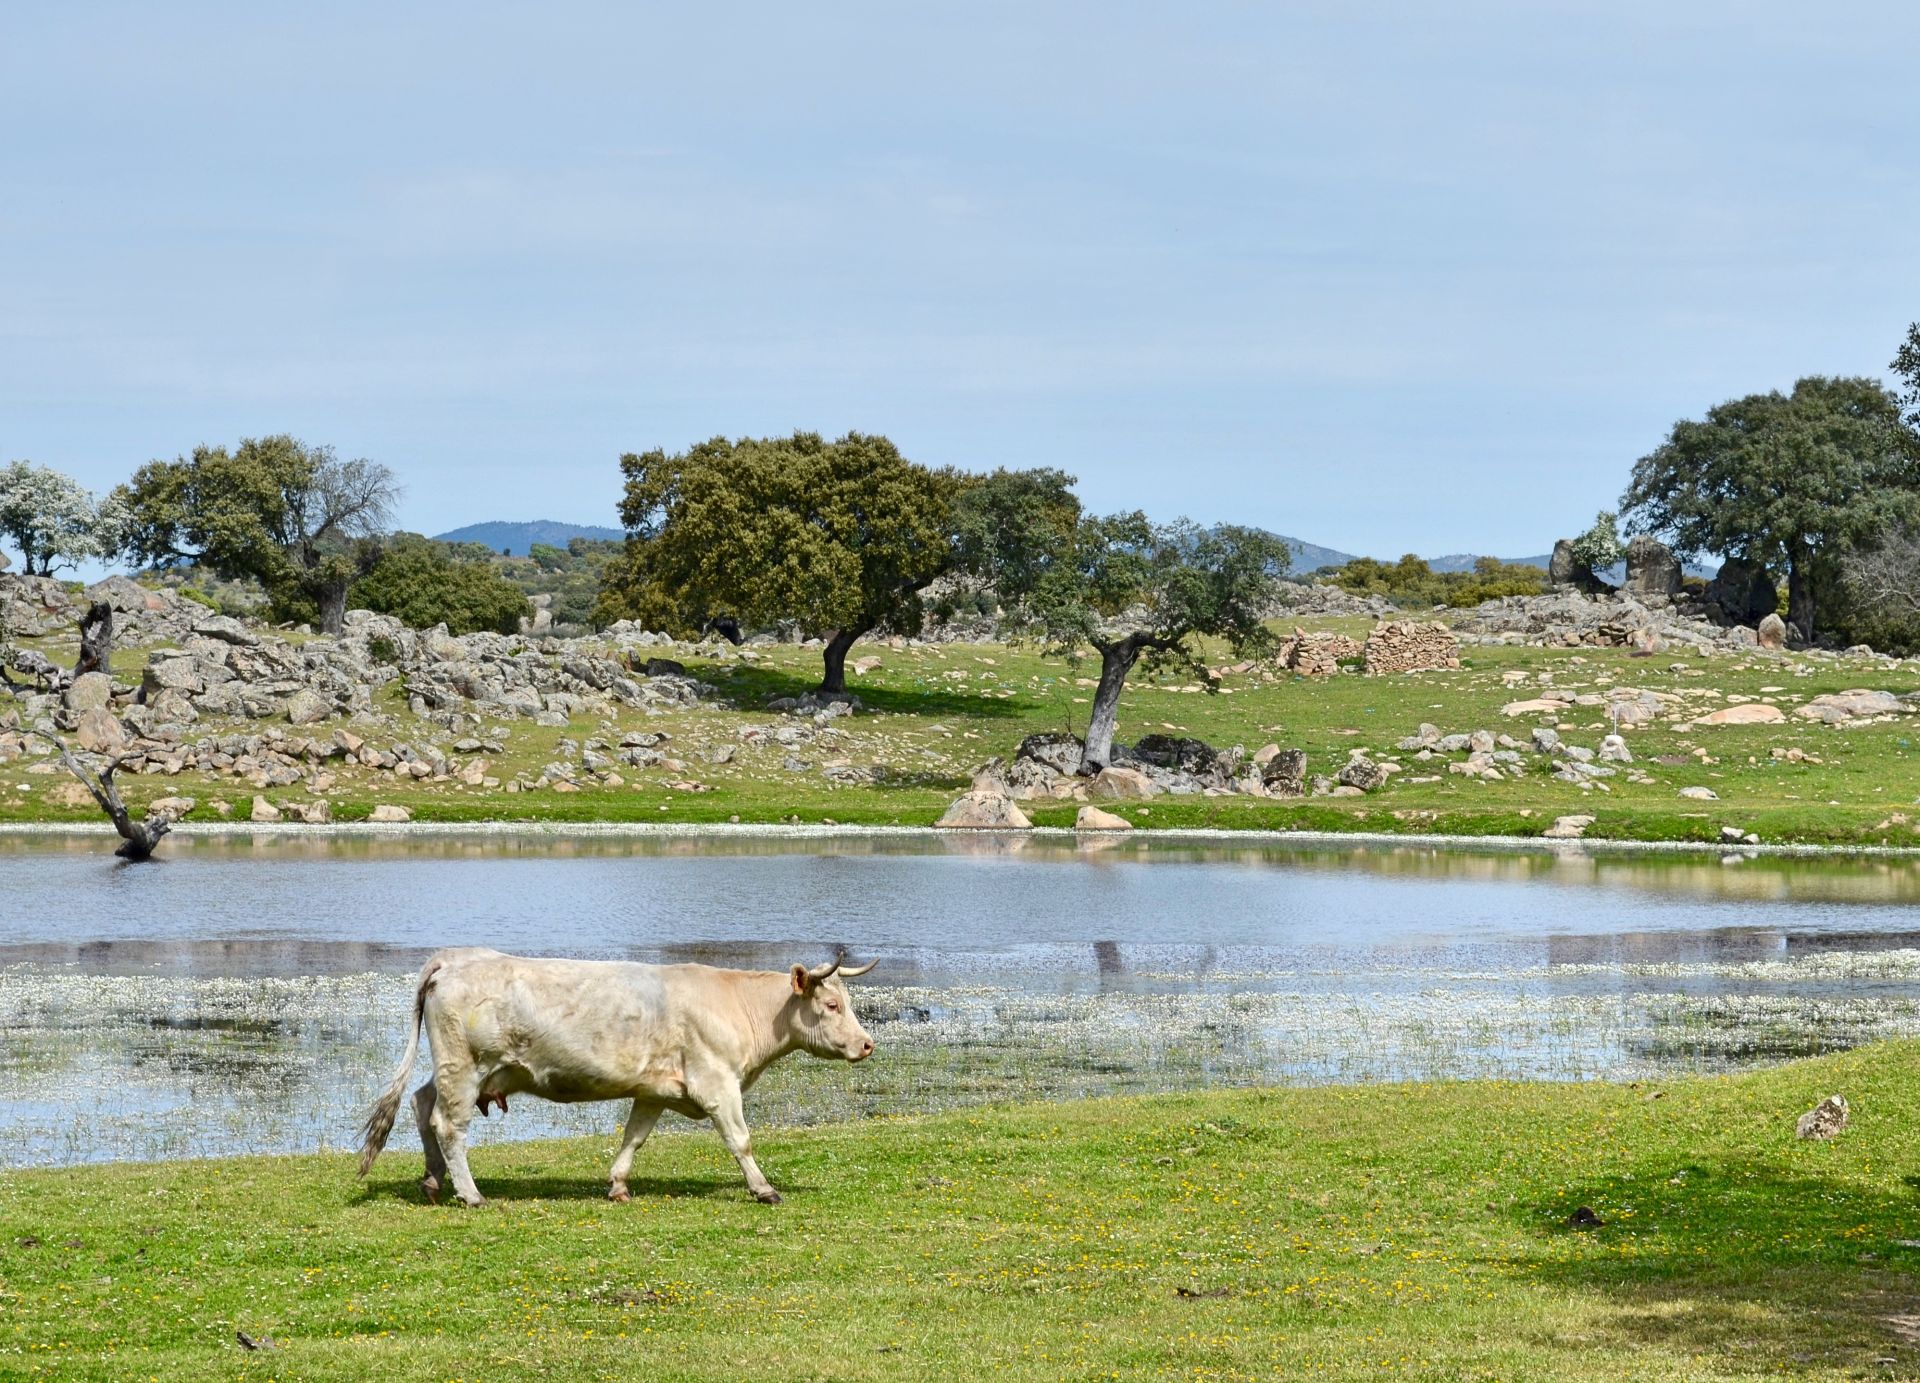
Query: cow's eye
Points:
[832, 1007]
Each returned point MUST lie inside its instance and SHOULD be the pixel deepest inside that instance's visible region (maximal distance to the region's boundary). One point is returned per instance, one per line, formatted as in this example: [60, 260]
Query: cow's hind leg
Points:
[456, 1097]
[436, 1177]
[639, 1124]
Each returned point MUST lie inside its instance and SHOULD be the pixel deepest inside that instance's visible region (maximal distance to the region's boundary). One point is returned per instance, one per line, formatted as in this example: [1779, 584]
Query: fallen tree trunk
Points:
[138, 839]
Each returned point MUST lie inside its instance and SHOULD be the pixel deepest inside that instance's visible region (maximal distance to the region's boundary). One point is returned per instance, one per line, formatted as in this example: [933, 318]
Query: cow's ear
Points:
[802, 981]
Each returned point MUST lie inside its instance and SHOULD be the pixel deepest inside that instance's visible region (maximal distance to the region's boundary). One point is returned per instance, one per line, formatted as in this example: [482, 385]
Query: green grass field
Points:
[938, 712]
[1342, 1232]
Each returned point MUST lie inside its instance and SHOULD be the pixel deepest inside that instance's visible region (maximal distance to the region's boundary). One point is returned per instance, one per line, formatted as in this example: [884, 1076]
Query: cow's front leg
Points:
[423, 1101]
[639, 1124]
[730, 1120]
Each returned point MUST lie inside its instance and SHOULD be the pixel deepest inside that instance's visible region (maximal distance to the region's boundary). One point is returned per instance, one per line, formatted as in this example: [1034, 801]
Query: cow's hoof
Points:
[767, 1197]
[431, 1185]
[477, 1203]
[619, 1192]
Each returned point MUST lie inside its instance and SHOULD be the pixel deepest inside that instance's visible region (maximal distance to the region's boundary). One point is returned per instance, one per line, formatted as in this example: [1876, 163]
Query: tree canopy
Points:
[51, 519]
[1126, 587]
[1906, 364]
[1411, 581]
[839, 537]
[292, 516]
[1785, 480]
[423, 583]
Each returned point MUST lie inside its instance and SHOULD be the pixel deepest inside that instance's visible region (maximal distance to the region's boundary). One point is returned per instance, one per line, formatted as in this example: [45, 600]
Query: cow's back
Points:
[570, 1029]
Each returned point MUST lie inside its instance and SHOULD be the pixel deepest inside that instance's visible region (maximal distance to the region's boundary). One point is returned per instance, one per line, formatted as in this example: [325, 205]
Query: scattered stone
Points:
[387, 812]
[1568, 827]
[1746, 713]
[1697, 794]
[1613, 750]
[1824, 1120]
[1771, 633]
[1122, 784]
[1091, 818]
[98, 731]
[306, 707]
[985, 810]
[1361, 773]
[264, 810]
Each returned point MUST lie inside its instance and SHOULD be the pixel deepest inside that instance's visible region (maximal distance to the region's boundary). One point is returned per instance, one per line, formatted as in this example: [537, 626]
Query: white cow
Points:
[690, 1038]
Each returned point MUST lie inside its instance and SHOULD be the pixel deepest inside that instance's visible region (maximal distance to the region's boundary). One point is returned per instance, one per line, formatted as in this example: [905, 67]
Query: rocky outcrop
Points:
[1568, 619]
[1771, 632]
[1563, 569]
[1410, 646]
[1741, 592]
[1652, 569]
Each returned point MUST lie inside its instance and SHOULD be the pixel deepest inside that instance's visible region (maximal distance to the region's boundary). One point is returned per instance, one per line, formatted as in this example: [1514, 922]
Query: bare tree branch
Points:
[139, 840]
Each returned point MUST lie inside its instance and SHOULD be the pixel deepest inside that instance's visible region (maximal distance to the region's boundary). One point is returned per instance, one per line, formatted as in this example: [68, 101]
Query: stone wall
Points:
[1316, 655]
[1410, 646]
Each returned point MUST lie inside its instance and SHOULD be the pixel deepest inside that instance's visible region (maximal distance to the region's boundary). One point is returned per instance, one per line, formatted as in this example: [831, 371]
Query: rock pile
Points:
[1316, 655]
[1410, 646]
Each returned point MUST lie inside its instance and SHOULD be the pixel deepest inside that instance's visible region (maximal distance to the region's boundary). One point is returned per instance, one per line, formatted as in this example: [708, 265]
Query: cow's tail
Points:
[373, 1137]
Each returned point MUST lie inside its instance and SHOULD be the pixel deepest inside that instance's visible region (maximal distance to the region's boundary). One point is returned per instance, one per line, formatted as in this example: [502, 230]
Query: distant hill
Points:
[1463, 561]
[515, 538]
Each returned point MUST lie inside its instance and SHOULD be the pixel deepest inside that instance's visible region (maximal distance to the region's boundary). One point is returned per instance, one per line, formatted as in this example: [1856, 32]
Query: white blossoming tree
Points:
[51, 520]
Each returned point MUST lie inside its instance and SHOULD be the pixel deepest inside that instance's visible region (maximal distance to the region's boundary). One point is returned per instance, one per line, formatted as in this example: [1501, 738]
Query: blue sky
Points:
[1384, 277]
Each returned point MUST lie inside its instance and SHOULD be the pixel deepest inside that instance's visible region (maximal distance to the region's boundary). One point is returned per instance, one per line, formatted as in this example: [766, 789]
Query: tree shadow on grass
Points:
[752, 687]
[1739, 1262]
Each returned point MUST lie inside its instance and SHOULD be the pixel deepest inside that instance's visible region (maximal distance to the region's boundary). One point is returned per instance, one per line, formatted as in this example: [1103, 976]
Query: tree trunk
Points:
[332, 596]
[1799, 594]
[1116, 661]
[138, 839]
[835, 679]
[96, 640]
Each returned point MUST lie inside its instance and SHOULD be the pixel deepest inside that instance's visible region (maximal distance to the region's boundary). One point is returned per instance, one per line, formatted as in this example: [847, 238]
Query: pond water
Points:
[250, 993]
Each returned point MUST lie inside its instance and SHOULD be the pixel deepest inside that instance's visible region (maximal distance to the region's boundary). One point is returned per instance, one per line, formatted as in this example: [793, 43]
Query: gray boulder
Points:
[1562, 570]
[1741, 592]
[1772, 632]
[1652, 569]
[1285, 774]
[92, 691]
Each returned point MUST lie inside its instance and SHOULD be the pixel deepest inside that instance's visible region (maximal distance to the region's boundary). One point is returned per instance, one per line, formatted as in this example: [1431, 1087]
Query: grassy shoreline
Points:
[1417, 1230]
[1171, 836]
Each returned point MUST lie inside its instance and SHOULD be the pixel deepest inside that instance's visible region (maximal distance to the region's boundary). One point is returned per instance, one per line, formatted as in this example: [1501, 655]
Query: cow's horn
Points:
[820, 972]
[859, 970]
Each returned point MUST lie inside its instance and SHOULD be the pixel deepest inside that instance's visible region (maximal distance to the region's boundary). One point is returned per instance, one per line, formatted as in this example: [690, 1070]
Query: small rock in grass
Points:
[1824, 1120]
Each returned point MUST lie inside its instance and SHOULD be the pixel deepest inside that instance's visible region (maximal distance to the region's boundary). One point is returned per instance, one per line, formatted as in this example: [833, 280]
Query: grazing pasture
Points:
[1425, 1231]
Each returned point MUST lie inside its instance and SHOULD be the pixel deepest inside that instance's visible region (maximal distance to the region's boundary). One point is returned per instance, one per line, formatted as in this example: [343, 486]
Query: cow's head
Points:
[823, 1012]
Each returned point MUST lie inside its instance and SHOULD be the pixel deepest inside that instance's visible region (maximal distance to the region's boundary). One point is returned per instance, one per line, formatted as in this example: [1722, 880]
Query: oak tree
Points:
[1786, 480]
